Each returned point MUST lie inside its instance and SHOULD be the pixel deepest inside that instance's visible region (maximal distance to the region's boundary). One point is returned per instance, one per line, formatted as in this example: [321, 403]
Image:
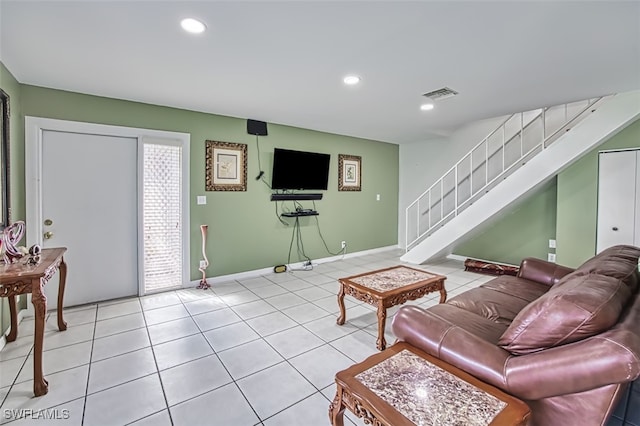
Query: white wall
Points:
[422, 163]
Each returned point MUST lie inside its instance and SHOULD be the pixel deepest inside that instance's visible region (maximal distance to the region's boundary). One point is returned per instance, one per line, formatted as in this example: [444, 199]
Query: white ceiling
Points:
[283, 62]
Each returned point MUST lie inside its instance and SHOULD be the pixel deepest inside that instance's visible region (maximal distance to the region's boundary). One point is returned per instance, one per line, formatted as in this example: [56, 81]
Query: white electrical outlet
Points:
[552, 243]
[201, 200]
[377, 197]
[343, 244]
[551, 257]
[203, 263]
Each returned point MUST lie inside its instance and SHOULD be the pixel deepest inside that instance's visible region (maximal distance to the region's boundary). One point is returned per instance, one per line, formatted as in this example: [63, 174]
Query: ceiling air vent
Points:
[440, 94]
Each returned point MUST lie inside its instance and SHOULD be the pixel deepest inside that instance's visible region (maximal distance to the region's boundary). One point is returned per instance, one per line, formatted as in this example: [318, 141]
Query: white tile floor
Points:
[261, 351]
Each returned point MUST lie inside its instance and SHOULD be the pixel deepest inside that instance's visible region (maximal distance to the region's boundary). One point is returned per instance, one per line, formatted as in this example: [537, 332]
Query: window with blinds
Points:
[162, 216]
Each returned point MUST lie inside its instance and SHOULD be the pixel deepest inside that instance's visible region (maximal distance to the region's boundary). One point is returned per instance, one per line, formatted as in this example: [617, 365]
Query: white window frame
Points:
[155, 140]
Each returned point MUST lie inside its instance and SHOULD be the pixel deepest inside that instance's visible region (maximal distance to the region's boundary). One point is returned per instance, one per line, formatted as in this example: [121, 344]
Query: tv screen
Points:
[299, 170]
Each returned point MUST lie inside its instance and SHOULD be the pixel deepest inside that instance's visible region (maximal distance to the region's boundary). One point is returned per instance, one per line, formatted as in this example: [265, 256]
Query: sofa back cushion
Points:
[618, 261]
[583, 306]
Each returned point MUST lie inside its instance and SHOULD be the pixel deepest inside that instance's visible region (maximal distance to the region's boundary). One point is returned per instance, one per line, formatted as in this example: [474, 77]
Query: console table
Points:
[404, 386]
[17, 279]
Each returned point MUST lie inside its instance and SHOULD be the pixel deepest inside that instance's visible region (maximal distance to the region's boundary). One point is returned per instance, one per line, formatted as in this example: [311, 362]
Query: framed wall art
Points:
[226, 166]
[349, 172]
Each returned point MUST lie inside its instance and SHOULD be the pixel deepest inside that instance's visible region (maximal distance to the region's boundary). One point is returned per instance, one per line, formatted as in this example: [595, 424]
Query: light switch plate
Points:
[552, 243]
[202, 199]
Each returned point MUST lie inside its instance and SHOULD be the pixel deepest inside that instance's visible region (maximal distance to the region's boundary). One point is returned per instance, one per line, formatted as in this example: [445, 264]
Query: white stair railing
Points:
[519, 138]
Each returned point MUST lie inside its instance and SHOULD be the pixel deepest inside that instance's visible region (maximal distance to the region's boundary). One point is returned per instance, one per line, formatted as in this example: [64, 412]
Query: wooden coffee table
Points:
[404, 386]
[388, 287]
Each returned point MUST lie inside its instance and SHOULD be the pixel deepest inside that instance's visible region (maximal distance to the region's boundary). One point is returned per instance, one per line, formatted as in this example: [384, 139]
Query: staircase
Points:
[526, 151]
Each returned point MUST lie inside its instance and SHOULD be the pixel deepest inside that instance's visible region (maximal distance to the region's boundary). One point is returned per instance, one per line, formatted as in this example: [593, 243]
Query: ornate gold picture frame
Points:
[349, 172]
[226, 166]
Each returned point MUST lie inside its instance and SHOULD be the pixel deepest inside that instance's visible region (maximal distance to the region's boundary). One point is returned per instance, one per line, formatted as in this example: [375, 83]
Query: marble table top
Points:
[392, 279]
[428, 395]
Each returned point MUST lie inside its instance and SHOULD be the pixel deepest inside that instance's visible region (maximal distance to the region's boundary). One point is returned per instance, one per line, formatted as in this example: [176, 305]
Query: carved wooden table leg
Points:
[62, 325]
[443, 293]
[336, 410]
[381, 343]
[13, 312]
[343, 311]
[39, 300]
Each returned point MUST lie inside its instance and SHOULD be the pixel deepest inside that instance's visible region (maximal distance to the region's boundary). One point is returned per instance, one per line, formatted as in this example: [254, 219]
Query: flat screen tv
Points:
[299, 170]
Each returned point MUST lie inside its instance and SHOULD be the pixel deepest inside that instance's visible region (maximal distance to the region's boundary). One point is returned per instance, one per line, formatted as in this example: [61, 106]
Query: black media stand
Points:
[300, 213]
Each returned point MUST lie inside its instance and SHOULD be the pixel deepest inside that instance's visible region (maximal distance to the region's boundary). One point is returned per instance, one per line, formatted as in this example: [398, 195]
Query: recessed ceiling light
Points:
[426, 107]
[193, 26]
[351, 80]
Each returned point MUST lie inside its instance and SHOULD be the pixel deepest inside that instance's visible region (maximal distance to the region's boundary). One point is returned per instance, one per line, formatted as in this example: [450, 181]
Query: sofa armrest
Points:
[541, 271]
[441, 338]
[577, 367]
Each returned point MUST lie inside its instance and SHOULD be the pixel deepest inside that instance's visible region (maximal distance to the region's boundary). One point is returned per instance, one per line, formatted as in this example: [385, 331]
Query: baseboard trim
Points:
[292, 267]
[3, 339]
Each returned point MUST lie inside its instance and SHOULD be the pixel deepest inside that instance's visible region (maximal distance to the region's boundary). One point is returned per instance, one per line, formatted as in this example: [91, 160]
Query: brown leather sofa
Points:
[567, 342]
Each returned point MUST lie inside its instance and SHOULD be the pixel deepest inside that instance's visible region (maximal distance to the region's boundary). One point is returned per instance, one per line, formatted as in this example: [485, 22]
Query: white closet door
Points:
[617, 201]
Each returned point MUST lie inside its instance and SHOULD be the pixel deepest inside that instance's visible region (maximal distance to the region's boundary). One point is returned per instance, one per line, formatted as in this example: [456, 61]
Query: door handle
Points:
[47, 235]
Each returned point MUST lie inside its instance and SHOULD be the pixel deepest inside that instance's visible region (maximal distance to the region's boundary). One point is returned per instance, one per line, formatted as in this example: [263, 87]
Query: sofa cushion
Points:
[518, 287]
[582, 307]
[483, 328]
[618, 261]
[490, 304]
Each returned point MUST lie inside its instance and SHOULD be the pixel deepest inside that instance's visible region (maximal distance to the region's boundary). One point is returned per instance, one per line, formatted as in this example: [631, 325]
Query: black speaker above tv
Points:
[255, 127]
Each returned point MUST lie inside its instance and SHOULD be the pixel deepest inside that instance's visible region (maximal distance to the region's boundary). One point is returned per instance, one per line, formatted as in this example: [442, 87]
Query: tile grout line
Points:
[155, 361]
[233, 380]
[86, 390]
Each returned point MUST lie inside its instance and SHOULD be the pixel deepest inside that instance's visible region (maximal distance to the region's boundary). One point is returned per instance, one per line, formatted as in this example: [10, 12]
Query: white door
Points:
[89, 195]
[618, 189]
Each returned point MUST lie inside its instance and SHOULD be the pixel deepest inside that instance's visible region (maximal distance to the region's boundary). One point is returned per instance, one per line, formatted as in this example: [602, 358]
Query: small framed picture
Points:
[349, 172]
[226, 166]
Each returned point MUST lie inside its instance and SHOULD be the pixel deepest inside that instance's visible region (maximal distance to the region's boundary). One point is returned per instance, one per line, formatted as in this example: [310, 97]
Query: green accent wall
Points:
[578, 200]
[244, 231]
[524, 231]
[16, 170]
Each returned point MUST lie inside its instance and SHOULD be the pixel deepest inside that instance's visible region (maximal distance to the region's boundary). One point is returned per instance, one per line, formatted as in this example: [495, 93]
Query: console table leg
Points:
[62, 325]
[13, 312]
[343, 311]
[39, 300]
[381, 343]
[336, 411]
